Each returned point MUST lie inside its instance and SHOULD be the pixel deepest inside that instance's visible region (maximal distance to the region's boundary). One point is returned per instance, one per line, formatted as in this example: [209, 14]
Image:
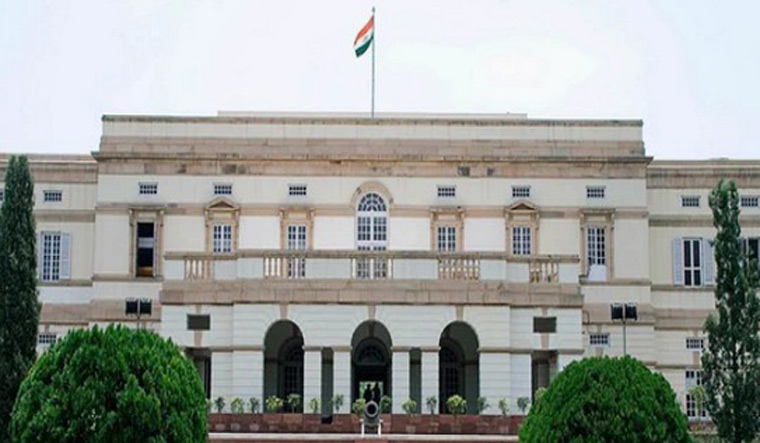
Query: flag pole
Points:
[374, 42]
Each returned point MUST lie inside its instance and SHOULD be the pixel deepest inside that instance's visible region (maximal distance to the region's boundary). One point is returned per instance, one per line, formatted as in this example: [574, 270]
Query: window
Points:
[596, 250]
[146, 244]
[594, 191]
[52, 196]
[693, 378]
[599, 340]
[446, 238]
[695, 343]
[50, 263]
[690, 201]
[148, 188]
[221, 240]
[747, 201]
[46, 338]
[223, 189]
[296, 242]
[447, 191]
[521, 240]
[520, 191]
[197, 322]
[371, 235]
[545, 324]
[692, 262]
[297, 190]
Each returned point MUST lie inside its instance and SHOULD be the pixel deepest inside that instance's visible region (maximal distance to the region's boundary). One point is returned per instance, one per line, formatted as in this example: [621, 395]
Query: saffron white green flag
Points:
[364, 37]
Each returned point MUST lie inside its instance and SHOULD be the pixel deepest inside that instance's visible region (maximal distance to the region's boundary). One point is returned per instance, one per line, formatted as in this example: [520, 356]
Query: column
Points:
[342, 376]
[247, 375]
[429, 377]
[522, 380]
[495, 380]
[312, 376]
[221, 376]
[400, 379]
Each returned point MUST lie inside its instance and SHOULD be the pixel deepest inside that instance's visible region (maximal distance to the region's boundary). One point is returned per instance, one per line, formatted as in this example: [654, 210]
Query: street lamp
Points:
[138, 307]
[624, 313]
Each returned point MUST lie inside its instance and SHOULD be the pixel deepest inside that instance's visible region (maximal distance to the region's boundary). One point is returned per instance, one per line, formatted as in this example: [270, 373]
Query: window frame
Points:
[691, 271]
[223, 189]
[52, 196]
[599, 343]
[297, 190]
[692, 377]
[596, 255]
[550, 321]
[46, 338]
[596, 192]
[147, 188]
[50, 264]
[446, 191]
[517, 191]
[222, 238]
[522, 239]
[446, 238]
[691, 201]
[690, 341]
[749, 201]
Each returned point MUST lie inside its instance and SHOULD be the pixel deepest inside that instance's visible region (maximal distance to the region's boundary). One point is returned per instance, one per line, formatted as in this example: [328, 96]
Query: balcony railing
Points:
[372, 265]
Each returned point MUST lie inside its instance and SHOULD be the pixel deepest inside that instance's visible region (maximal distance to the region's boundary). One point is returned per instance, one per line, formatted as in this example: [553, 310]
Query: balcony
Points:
[371, 265]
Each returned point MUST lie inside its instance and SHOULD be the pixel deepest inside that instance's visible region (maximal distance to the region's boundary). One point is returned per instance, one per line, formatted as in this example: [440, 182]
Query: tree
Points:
[19, 308]
[111, 385]
[731, 362]
[604, 399]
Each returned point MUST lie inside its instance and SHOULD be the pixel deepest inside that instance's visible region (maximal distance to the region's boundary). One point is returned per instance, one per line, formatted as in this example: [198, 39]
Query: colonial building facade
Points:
[410, 256]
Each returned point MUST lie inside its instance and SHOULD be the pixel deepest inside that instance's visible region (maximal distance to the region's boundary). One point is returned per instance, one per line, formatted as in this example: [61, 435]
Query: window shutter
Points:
[65, 272]
[678, 261]
[707, 260]
[39, 256]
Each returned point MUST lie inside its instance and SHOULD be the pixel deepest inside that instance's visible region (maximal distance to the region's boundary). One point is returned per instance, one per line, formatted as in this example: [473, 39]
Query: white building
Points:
[429, 255]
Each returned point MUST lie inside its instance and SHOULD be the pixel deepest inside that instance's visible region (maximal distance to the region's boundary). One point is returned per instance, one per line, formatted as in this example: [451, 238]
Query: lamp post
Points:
[624, 313]
[138, 307]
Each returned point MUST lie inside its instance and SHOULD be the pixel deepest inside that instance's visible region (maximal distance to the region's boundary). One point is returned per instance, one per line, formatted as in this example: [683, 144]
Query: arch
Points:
[283, 360]
[459, 365]
[371, 361]
[371, 187]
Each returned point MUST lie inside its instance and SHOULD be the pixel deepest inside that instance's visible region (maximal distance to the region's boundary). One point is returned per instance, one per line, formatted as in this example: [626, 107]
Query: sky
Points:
[688, 68]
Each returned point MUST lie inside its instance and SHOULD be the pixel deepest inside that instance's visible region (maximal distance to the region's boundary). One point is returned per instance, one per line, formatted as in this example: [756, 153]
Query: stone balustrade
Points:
[372, 265]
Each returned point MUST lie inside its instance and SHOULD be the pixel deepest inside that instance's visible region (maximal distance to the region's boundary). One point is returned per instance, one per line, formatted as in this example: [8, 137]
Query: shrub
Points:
[358, 407]
[386, 403]
[337, 402]
[431, 403]
[236, 406]
[219, 404]
[539, 393]
[114, 384]
[605, 399]
[254, 403]
[482, 405]
[409, 406]
[294, 402]
[523, 403]
[314, 405]
[503, 406]
[456, 405]
[273, 404]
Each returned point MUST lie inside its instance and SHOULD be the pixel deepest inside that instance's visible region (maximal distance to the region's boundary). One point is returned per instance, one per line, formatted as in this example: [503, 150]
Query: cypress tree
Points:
[19, 307]
[731, 362]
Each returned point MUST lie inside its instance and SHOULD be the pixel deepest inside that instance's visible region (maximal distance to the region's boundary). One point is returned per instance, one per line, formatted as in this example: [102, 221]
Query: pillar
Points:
[495, 378]
[221, 376]
[430, 377]
[342, 377]
[521, 379]
[312, 376]
[400, 379]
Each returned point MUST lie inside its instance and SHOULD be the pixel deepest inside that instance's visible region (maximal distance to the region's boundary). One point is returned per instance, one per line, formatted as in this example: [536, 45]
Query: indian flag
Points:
[364, 37]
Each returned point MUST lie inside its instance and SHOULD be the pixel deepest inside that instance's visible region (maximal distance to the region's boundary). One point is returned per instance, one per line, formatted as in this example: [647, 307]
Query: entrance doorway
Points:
[370, 362]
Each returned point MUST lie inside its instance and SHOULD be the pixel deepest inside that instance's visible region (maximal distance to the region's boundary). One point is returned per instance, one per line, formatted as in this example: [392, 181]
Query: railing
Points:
[372, 265]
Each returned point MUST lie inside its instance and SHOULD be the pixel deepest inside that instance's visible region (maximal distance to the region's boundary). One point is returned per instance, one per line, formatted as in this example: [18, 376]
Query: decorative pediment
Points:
[222, 204]
[521, 206]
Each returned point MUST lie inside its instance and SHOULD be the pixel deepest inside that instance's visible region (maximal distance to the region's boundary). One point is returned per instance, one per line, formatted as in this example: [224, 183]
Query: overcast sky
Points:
[690, 69]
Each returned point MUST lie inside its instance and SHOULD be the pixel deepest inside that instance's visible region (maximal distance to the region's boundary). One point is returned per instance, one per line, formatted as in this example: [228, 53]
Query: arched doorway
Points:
[458, 361]
[283, 361]
[370, 361]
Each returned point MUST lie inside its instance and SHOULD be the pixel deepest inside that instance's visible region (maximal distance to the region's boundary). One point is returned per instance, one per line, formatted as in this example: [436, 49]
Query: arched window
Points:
[372, 235]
